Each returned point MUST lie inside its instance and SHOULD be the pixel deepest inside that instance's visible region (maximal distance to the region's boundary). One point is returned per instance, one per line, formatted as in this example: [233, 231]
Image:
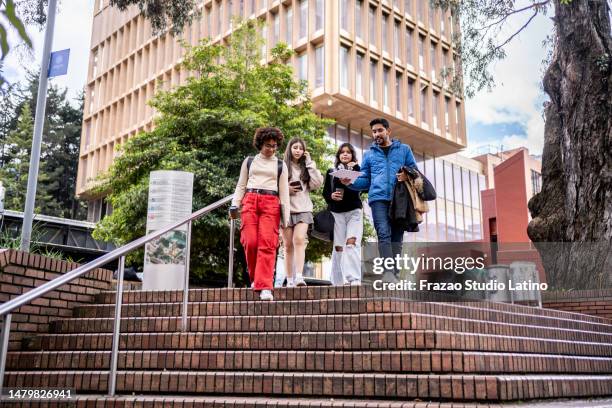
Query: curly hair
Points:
[267, 133]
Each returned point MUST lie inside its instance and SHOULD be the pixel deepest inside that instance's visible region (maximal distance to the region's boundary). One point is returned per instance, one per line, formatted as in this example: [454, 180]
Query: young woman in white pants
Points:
[346, 207]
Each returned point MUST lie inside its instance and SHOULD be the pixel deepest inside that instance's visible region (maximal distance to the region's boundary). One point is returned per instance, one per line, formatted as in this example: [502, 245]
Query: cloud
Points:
[517, 97]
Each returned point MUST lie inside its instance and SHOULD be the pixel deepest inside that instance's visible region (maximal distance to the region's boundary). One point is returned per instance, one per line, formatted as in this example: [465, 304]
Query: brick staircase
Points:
[317, 347]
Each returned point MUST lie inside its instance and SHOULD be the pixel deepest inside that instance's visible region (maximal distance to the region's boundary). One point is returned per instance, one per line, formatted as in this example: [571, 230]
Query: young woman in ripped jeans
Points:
[346, 207]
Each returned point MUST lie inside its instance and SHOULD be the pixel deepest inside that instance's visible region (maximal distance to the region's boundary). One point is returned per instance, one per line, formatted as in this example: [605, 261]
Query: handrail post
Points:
[6, 332]
[230, 272]
[112, 375]
[184, 323]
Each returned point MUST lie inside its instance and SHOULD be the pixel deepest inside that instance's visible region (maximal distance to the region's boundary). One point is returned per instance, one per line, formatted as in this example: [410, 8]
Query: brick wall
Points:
[21, 272]
[591, 302]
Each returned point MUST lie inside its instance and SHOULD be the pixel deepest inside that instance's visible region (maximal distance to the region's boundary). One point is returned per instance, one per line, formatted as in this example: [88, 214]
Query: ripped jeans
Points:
[348, 230]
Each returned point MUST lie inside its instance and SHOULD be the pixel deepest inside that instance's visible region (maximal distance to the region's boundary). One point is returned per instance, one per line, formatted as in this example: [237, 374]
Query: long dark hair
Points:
[304, 175]
[351, 148]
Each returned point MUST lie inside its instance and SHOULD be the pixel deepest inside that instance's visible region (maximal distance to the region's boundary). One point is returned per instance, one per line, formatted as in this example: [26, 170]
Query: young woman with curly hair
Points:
[261, 194]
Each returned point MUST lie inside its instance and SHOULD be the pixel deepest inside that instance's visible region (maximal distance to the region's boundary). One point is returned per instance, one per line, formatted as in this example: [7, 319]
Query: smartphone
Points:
[297, 184]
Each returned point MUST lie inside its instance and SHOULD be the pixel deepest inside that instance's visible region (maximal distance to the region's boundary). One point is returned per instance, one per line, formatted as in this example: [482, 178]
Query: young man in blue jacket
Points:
[380, 171]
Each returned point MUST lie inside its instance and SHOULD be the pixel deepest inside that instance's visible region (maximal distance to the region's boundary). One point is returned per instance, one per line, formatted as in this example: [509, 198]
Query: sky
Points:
[509, 116]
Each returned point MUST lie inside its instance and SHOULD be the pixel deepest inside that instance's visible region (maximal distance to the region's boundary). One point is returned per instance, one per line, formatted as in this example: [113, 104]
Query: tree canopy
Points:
[59, 153]
[206, 126]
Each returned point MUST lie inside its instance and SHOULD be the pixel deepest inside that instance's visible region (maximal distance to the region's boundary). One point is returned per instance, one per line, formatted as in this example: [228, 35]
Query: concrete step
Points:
[332, 340]
[308, 323]
[336, 306]
[359, 385]
[328, 361]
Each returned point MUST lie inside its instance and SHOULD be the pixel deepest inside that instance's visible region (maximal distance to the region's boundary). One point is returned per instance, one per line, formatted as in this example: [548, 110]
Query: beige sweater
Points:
[300, 201]
[263, 175]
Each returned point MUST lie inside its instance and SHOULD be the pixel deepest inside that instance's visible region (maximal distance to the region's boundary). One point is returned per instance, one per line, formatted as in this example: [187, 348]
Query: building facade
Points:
[362, 59]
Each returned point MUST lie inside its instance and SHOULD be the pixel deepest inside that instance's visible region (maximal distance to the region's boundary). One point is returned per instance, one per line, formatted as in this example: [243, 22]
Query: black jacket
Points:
[401, 210]
[350, 200]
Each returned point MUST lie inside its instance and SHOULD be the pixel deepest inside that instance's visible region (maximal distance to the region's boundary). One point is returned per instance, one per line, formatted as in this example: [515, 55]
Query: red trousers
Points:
[260, 217]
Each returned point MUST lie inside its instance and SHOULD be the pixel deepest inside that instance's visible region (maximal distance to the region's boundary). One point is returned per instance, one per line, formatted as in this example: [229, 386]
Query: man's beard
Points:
[380, 140]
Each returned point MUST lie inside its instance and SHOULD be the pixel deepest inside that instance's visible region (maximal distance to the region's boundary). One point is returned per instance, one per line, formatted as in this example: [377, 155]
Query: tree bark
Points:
[572, 215]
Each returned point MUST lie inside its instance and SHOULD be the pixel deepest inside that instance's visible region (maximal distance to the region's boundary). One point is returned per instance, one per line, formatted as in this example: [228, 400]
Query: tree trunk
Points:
[572, 215]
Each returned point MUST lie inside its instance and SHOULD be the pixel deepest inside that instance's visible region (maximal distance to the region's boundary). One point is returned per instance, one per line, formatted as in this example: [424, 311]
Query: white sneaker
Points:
[356, 283]
[299, 281]
[290, 283]
[266, 295]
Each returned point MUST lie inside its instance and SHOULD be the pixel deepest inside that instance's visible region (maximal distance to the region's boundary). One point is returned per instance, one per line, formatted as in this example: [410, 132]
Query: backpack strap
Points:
[278, 172]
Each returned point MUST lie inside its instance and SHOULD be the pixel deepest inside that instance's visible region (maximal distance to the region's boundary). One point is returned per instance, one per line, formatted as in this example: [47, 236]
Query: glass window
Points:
[457, 184]
[465, 186]
[373, 84]
[421, 10]
[434, 111]
[410, 97]
[356, 140]
[303, 66]
[432, 60]
[228, 14]
[253, 7]
[219, 17]
[359, 75]
[289, 26]
[423, 103]
[241, 9]
[358, 14]
[264, 34]
[430, 14]
[208, 22]
[420, 161]
[451, 229]
[536, 182]
[385, 32]
[439, 178]
[342, 135]
[448, 181]
[276, 32]
[460, 223]
[443, 22]
[409, 46]
[303, 18]
[441, 220]
[475, 191]
[408, 7]
[469, 224]
[396, 40]
[319, 66]
[372, 25]
[446, 114]
[386, 86]
[319, 14]
[344, 10]
[344, 67]
[457, 119]
[398, 92]
[421, 52]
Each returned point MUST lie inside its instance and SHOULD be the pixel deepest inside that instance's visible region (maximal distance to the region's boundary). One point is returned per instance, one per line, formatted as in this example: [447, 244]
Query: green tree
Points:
[206, 127]
[14, 173]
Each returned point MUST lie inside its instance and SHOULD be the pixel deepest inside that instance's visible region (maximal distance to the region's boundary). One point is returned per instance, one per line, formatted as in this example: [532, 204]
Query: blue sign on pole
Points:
[58, 64]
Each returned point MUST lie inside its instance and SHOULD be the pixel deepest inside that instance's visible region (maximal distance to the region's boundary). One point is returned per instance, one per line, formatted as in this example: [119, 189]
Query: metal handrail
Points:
[119, 253]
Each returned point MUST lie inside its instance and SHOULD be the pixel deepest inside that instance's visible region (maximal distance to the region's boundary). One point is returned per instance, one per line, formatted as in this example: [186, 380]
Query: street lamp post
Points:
[39, 120]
